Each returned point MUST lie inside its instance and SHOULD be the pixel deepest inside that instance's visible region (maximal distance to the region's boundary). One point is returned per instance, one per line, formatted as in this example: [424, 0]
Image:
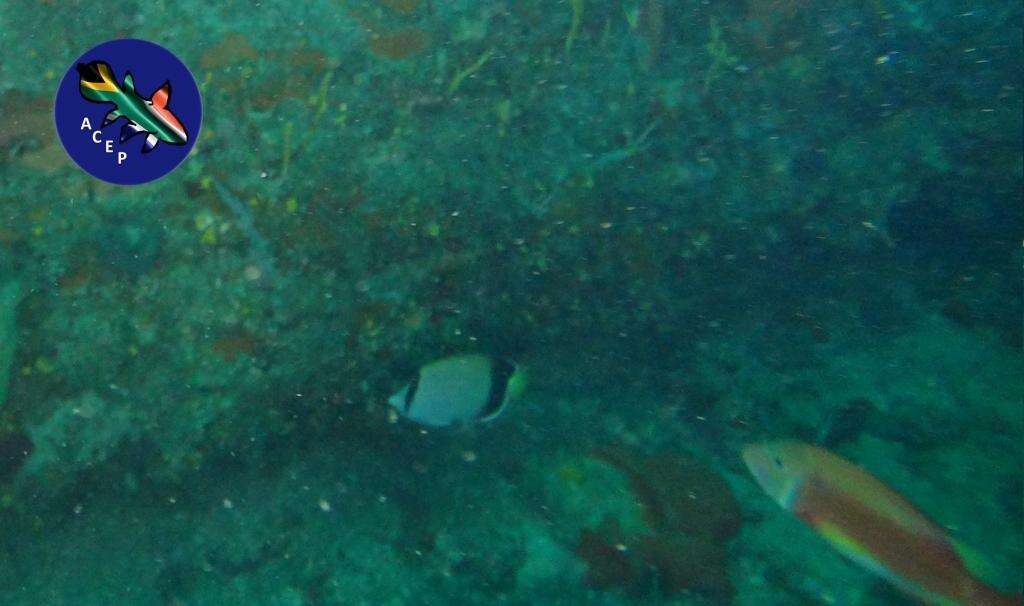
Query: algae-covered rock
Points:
[80, 434]
[584, 492]
[639, 521]
[547, 564]
[9, 293]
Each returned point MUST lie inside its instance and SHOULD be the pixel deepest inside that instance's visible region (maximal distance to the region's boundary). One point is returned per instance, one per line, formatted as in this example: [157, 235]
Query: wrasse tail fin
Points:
[975, 562]
[984, 595]
[985, 571]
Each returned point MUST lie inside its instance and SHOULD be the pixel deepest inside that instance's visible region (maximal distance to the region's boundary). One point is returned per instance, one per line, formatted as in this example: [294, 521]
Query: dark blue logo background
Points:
[112, 160]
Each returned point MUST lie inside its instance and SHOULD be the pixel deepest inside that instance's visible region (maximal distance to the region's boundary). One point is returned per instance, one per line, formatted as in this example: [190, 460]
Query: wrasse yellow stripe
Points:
[849, 547]
[833, 534]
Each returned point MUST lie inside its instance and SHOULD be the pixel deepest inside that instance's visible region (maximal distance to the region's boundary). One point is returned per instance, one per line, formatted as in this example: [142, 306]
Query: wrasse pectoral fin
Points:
[985, 571]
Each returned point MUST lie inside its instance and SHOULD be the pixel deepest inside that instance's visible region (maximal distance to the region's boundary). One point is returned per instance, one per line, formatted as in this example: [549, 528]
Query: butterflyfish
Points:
[459, 390]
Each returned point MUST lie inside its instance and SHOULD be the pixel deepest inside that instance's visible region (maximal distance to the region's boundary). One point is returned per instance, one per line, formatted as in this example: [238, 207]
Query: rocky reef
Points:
[695, 224]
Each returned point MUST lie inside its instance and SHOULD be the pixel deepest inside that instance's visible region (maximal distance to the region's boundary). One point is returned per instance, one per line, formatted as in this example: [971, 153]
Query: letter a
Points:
[86, 125]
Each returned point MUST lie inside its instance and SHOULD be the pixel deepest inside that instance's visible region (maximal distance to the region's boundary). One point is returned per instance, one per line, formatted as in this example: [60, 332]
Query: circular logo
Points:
[128, 111]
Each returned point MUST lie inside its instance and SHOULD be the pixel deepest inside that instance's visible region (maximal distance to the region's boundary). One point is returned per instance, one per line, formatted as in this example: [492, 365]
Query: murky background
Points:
[694, 225]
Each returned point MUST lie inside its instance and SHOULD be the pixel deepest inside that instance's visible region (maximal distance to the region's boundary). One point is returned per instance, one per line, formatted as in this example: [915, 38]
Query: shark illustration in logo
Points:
[150, 116]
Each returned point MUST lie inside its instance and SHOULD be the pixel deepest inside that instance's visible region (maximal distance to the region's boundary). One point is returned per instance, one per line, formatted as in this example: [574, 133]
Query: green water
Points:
[694, 225]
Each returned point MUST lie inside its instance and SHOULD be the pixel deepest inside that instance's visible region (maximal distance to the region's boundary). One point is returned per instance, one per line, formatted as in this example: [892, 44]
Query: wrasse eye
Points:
[778, 462]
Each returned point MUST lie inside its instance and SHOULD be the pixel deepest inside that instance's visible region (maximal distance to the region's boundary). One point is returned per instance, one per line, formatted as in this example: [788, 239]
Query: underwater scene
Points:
[524, 302]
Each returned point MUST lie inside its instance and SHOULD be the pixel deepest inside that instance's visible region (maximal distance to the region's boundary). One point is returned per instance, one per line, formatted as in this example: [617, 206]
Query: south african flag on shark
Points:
[150, 116]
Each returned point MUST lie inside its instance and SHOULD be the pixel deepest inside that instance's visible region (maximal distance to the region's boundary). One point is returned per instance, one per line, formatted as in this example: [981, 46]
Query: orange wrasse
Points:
[869, 523]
